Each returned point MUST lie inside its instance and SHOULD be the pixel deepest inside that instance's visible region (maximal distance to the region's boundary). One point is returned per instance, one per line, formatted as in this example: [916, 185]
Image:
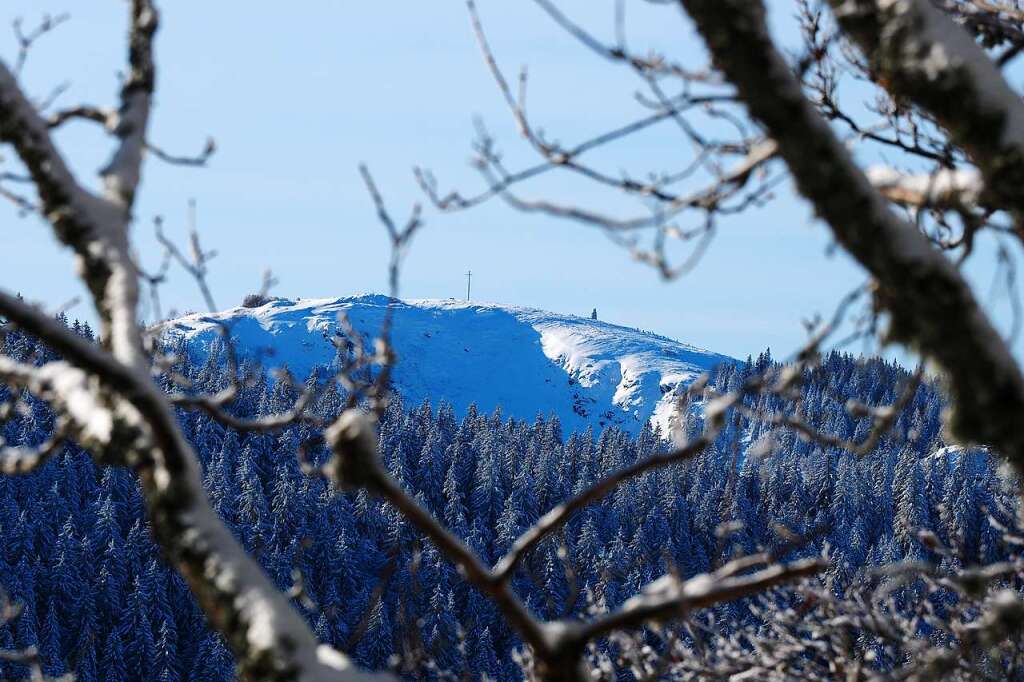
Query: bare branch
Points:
[198, 160]
[705, 199]
[107, 118]
[22, 127]
[196, 263]
[214, 406]
[27, 40]
[121, 416]
[882, 420]
[655, 65]
[356, 464]
[400, 239]
[555, 159]
[86, 223]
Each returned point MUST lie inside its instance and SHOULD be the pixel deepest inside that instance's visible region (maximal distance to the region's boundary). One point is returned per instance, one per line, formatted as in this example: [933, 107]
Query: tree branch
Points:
[959, 189]
[557, 517]
[105, 117]
[121, 175]
[918, 53]
[932, 307]
[669, 597]
[120, 415]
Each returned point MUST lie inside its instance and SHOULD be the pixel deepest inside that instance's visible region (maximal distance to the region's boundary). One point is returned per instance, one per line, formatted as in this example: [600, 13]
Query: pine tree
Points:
[137, 633]
[375, 645]
[112, 663]
[912, 507]
[165, 656]
[51, 648]
[484, 658]
[79, 556]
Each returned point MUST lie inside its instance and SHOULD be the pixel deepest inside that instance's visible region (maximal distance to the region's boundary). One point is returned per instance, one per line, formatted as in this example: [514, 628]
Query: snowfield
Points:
[523, 360]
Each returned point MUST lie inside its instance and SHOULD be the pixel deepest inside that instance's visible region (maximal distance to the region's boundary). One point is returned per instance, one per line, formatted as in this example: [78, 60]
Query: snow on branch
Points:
[931, 307]
[106, 399]
[918, 53]
[121, 175]
[672, 597]
[105, 117]
[93, 227]
[23, 459]
[558, 646]
[74, 394]
[959, 189]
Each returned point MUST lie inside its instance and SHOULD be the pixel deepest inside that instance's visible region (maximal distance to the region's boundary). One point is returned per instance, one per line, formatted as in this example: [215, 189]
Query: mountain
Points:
[585, 371]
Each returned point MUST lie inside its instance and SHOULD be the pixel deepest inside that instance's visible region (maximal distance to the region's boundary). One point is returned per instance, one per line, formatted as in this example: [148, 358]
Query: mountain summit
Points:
[523, 360]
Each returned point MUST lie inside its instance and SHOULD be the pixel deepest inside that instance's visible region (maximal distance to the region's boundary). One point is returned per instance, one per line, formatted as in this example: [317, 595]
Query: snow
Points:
[525, 361]
[962, 186]
[95, 420]
[951, 47]
[950, 453]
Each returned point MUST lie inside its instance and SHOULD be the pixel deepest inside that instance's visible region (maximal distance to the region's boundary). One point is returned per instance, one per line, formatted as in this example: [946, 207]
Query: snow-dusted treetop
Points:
[586, 371]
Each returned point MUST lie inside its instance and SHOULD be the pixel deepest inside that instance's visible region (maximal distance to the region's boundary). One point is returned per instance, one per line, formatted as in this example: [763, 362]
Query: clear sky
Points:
[296, 98]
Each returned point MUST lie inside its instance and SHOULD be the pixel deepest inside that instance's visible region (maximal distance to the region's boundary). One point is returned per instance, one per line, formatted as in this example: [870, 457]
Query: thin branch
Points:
[560, 159]
[557, 517]
[196, 263]
[706, 199]
[669, 597]
[107, 118]
[882, 420]
[356, 464]
[214, 404]
[400, 240]
[27, 40]
[199, 160]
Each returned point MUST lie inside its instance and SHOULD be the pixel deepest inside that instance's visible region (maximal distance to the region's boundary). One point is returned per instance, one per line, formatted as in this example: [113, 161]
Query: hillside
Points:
[523, 360]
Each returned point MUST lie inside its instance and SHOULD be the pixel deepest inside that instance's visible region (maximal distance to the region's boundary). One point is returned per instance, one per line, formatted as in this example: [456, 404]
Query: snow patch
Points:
[523, 360]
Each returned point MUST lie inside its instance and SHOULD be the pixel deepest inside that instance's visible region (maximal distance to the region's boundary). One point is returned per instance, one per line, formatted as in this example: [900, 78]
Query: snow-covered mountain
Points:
[526, 361]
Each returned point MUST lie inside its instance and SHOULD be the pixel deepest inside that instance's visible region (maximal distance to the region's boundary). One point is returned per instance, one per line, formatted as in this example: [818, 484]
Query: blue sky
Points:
[297, 99]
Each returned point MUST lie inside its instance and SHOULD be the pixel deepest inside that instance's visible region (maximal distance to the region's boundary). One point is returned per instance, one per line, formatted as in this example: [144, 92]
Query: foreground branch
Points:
[123, 418]
[918, 53]
[557, 645]
[932, 307]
